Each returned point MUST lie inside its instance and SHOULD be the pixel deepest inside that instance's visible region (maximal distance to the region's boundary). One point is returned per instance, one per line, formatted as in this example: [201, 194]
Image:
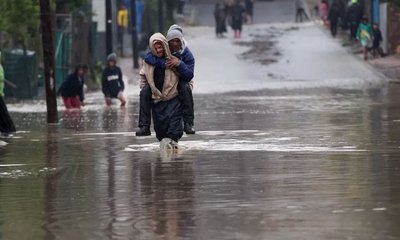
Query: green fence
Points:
[20, 70]
[63, 56]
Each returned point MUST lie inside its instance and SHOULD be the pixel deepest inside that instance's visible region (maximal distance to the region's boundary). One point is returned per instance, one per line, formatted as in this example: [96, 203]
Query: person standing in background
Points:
[364, 35]
[333, 18]
[122, 22]
[6, 124]
[323, 12]
[238, 11]
[220, 20]
[300, 12]
[249, 10]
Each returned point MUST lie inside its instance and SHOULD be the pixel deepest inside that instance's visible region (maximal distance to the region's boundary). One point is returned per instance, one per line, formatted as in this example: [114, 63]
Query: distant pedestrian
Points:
[71, 89]
[377, 39]
[181, 7]
[300, 12]
[122, 23]
[316, 12]
[333, 17]
[323, 12]
[364, 35]
[354, 15]
[238, 12]
[112, 83]
[6, 124]
[249, 10]
[220, 20]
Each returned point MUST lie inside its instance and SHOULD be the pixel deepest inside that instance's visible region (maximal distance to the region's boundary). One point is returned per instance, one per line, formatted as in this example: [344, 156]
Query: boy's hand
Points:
[173, 62]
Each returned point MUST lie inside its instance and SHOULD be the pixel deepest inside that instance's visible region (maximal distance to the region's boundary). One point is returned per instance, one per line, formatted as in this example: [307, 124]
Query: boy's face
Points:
[158, 47]
[375, 26]
[111, 63]
[81, 72]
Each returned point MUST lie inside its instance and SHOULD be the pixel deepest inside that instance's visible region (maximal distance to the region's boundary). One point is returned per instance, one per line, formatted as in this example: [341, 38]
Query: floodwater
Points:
[273, 164]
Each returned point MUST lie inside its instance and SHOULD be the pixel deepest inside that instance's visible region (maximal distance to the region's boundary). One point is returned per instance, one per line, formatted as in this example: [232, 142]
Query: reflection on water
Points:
[312, 164]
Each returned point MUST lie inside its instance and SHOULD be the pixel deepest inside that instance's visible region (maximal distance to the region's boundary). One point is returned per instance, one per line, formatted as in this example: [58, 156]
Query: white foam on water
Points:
[338, 211]
[15, 174]
[106, 134]
[379, 209]
[2, 143]
[359, 210]
[228, 132]
[12, 165]
[266, 145]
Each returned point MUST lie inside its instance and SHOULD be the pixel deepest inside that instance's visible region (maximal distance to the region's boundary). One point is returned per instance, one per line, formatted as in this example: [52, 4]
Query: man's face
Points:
[175, 45]
[159, 49]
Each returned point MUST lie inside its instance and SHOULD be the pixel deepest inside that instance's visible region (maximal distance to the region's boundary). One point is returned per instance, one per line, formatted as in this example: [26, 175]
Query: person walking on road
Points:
[183, 62]
[364, 35]
[354, 16]
[238, 12]
[300, 12]
[249, 10]
[6, 124]
[163, 83]
[323, 12]
[122, 23]
[220, 20]
[333, 17]
[112, 83]
[71, 89]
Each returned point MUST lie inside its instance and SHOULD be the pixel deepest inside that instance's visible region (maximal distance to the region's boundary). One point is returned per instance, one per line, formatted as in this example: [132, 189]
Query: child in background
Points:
[364, 35]
[377, 39]
[112, 83]
[71, 89]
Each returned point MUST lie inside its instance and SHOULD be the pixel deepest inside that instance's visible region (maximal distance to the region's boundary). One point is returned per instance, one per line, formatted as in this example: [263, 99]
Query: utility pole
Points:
[109, 35]
[134, 35]
[160, 16]
[48, 59]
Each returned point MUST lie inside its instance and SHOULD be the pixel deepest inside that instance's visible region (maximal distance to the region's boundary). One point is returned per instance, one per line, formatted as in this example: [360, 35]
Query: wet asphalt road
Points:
[303, 163]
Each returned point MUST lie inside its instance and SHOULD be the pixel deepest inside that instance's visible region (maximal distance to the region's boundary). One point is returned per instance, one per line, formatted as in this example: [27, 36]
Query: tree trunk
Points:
[48, 59]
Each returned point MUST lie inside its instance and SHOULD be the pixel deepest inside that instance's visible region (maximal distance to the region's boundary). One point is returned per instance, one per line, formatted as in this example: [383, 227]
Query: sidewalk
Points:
[388, 66]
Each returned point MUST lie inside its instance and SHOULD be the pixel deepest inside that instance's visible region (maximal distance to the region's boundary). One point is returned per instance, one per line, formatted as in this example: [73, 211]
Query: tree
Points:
[20, 19]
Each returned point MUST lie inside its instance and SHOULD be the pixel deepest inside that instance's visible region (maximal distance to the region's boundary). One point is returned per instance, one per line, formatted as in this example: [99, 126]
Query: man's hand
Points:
[173, 62]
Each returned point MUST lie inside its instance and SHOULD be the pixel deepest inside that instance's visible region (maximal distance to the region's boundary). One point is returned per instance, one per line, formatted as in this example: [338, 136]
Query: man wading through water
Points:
[183, 61]
[163, 83]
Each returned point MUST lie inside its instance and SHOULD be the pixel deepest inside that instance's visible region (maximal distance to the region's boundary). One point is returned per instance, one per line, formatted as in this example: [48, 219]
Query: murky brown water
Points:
[301, 164]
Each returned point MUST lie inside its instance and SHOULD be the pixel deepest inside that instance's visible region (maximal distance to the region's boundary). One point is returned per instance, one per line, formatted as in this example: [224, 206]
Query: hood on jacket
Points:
[158, 37]
[175, 31]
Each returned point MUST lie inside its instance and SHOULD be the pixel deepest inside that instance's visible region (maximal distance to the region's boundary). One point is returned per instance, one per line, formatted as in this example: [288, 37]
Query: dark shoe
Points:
[189, 129]
[143, 131]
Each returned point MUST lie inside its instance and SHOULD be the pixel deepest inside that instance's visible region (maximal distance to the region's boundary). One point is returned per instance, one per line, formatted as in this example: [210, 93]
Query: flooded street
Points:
[308, 164]
[311, 154]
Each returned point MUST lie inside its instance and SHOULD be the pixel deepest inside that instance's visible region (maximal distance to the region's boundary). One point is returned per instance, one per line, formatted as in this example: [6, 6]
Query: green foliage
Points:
[20, 19]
